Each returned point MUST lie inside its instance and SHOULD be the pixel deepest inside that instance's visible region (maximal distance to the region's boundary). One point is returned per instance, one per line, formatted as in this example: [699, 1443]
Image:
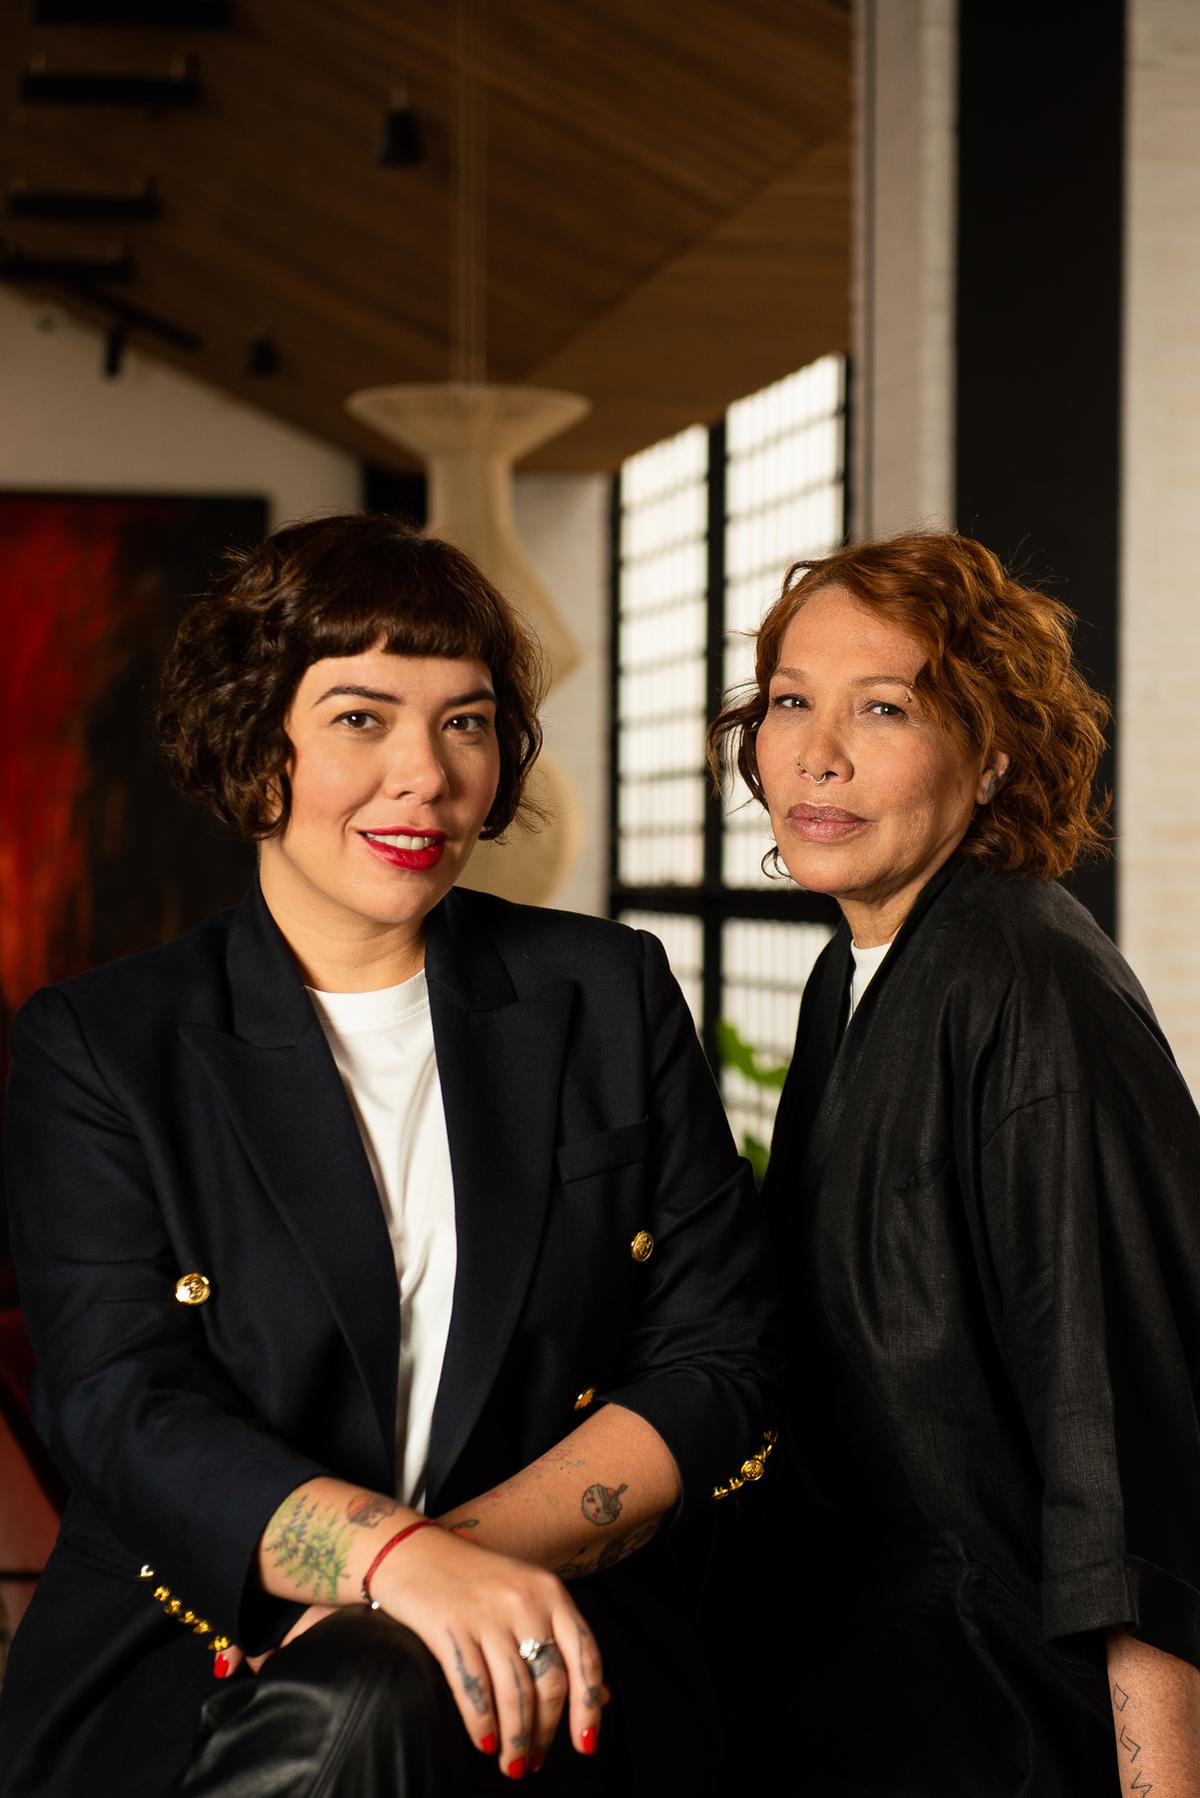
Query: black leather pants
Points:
[358, 1708]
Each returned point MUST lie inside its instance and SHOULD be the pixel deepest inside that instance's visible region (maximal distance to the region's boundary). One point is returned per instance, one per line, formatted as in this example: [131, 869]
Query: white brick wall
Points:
[907, 80]
[1159, 725]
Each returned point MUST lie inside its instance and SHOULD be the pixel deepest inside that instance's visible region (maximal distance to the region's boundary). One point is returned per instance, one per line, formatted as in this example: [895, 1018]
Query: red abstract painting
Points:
[98, 857]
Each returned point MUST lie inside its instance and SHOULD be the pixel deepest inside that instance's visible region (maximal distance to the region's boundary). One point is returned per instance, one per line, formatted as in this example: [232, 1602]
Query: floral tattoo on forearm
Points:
[309, 1542]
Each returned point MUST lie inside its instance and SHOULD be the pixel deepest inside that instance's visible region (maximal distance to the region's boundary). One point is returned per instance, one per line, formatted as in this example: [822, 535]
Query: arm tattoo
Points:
[1132, 1748]
[587, 1560]
[602, 1504]
[621, 1547]
[521, 1740]
[471, 1684]
[1138, 1782]
[309, 1546]
[592, 1694]
[366, 1509]
[549, 1657]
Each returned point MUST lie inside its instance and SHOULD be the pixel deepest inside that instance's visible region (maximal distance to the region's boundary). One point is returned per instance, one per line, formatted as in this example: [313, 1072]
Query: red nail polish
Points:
[516, 1769]
[589, 1741]
[487, 1744]
[537, 1763]
[221, 1667]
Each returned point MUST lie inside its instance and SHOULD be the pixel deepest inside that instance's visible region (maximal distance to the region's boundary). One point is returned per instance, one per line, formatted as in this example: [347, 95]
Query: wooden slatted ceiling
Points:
[667, 199]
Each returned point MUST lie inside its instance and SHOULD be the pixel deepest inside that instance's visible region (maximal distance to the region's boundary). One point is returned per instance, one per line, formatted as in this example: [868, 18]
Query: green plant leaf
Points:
[736, 1052]
[757, 1154]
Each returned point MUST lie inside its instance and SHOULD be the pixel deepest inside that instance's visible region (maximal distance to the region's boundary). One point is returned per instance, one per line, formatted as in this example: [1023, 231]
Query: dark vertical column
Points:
[614, 691]
[714, 680]
[1041, 133]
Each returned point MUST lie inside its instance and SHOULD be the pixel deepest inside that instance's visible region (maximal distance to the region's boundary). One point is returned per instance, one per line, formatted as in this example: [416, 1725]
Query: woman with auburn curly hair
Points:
[386, 1254]
[983, 1188]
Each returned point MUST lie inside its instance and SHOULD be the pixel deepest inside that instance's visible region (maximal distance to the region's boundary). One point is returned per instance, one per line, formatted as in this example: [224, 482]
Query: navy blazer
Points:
[179, 1112]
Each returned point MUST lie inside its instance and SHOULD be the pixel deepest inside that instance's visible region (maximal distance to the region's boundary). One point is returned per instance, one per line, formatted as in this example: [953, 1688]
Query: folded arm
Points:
[595, 1498]
[332, 1543]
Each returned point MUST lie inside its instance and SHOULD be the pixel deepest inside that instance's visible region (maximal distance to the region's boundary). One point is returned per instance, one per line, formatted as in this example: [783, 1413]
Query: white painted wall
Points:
[64, 426]
[1159, 724]
[563, 522]
[904, 264]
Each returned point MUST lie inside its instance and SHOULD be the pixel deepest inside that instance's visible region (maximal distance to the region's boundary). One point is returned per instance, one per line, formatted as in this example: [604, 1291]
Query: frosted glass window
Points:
[685, 867]
[764, 966]
[785, 501]
[661, 651]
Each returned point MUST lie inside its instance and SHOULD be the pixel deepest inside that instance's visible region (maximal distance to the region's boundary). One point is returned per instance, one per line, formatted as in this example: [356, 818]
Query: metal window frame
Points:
[712, 902]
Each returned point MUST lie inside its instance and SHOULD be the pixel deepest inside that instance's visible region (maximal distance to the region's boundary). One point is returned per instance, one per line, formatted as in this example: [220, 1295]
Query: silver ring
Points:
[530, 1649]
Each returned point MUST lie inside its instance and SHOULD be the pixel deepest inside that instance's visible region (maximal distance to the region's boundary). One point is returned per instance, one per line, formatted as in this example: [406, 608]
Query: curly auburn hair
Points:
[998, 674]
[332, 587]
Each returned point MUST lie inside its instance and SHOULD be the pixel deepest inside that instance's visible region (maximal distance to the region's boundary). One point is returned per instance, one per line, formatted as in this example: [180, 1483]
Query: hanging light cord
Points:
[468, 354]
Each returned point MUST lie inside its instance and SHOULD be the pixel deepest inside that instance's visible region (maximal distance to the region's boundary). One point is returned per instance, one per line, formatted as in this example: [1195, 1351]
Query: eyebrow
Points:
[382, 698]
[866, 680]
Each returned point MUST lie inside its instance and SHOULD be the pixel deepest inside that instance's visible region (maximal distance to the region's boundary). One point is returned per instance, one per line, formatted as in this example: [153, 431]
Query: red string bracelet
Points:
[422, 1523]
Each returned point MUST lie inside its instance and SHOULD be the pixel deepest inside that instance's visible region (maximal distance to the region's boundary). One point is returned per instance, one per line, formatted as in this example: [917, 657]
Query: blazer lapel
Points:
[500, 1058]
[285, 1099]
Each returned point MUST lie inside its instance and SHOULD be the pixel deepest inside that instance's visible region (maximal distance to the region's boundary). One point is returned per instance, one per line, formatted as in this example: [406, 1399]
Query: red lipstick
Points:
[416, 850]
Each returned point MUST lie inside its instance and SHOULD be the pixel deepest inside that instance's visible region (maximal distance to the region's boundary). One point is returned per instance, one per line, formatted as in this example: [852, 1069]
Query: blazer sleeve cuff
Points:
[216, 1579]
[712, 1462]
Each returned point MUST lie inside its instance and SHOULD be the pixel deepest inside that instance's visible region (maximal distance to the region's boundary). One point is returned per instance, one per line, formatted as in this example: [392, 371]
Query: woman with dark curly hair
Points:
[386, 1255]
[983, 1187]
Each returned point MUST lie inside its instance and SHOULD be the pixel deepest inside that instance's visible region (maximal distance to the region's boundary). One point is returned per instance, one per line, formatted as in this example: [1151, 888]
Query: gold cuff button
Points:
[753, 1469]
[585, 1398]
[642, 1246]
[193, 1289]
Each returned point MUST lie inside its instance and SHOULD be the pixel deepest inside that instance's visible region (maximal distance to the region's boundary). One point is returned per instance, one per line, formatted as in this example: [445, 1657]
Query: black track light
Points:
[25, 201]
[401, 147]
[115, 343]
[24, 266]
[175, 88]
[175, 15]
[262, 357]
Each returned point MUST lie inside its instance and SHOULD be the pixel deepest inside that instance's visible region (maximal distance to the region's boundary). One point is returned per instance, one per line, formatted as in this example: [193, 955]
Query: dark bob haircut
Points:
[332, 587]
[998, 674]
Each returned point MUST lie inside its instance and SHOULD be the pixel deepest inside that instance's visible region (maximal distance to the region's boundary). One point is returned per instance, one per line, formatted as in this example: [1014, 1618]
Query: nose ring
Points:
[801, 769]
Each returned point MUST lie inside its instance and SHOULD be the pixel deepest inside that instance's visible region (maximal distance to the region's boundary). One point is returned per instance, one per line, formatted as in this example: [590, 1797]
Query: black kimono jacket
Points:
[985, 1192]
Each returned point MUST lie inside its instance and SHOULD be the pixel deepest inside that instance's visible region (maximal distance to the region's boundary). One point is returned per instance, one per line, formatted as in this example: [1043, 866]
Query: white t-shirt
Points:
[382, 1043]
[867, 963]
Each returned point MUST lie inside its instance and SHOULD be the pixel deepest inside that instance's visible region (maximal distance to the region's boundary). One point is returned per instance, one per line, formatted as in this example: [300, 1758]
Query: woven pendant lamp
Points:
[469, 433]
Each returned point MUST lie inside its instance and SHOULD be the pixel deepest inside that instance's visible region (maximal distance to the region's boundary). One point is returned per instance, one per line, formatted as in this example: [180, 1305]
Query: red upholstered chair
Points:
[31, 1491]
